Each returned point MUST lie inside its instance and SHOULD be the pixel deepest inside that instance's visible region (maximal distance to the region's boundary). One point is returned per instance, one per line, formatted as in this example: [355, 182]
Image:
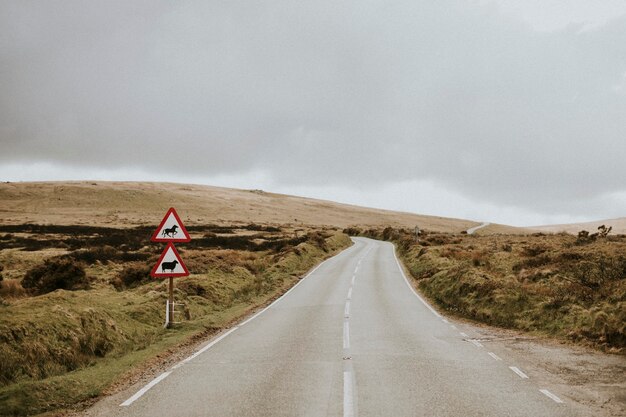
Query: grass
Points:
[128, 204]
[63, 348]
[556, 285]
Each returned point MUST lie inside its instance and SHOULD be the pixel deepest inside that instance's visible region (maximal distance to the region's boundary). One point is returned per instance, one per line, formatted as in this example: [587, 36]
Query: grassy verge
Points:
[556, 285]
[62, 348]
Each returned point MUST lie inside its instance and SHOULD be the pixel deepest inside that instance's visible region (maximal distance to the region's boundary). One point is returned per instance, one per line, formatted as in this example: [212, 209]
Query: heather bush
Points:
[54, 274]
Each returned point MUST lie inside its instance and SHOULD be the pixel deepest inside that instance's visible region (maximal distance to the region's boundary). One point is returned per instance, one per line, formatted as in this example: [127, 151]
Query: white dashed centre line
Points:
[552, 396]
[493, 355]
[346, 335]
[350, 293]
[464, 334]
[346, 311]
[518, 372]
[348, 398]
[164, 375]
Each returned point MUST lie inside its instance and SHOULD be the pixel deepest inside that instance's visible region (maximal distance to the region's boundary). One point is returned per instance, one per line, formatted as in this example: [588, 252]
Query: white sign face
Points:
[171, 229]
[170, 264]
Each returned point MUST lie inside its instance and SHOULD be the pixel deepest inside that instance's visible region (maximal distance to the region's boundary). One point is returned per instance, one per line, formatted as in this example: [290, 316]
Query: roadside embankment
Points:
[63, 347]
[559, 285]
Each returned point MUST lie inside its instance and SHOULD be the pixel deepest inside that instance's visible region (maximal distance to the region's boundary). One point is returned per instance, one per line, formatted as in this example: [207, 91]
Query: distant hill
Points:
[127, 204]
[619, 226]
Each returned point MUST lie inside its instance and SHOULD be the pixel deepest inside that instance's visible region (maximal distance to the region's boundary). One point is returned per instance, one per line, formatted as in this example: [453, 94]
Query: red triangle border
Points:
[155, 236]
[154, 272]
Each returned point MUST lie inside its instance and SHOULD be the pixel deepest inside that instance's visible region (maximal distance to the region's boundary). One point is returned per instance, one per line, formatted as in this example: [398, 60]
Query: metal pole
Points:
[170, 319]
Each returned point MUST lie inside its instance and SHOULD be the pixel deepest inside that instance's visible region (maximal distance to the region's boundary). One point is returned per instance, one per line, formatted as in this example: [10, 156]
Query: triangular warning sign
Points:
[169, 264]
[171, 229]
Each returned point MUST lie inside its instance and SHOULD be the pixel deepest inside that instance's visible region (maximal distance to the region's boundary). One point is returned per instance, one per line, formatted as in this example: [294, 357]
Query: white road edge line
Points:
[207, 347]
[453, 326]
[145, 389]
[552, 396]
[518, 372]
[463, 334]
[353, 278]
[155, 381]
[289, 290]
[493, 355]
[346, 335]
[432, 310]
[348, 399]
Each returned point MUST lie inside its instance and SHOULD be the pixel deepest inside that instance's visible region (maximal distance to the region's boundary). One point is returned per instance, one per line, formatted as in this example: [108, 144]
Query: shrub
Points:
[534, 250]
[1, 269]
[102, 253]
[390, 234]
[54, 274]
[480, 258]
[532, 263]
[318, 239]
[133, 276]
[106, 254]
[352, 231]
[437, 239]
[11, 288]
[191, 288]
[584, 237]
[570, 256]
[603, 231]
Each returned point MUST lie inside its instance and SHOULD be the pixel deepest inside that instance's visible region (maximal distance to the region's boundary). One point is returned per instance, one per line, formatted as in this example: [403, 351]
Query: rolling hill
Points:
[619, 226]
[128, 204]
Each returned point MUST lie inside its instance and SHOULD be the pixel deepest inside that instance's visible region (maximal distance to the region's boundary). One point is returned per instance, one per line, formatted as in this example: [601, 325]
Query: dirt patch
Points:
[593, 380]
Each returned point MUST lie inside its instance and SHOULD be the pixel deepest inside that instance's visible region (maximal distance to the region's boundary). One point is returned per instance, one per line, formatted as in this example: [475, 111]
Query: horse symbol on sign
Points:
[170, 232]
[171, 229]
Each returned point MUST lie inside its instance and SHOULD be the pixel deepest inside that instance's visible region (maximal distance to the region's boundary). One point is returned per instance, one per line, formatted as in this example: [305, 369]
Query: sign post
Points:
[170, 301]
[170, 264]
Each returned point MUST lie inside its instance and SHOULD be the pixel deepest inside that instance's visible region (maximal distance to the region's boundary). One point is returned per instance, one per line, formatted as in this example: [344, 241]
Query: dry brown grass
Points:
[619, 226]
[127, 204]
[11, 288]
[551, 284]
[50, 337]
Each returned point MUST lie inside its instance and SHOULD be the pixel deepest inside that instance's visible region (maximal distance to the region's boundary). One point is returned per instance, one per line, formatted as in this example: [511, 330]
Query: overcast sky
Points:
[510, 111]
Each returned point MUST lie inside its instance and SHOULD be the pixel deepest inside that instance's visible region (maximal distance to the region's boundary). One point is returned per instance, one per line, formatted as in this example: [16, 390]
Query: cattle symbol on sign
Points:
[169, 264]
[171, 229]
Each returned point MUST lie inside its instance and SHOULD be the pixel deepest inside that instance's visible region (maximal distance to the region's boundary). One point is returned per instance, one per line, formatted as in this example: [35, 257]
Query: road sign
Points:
[170, 264]
[171, 229]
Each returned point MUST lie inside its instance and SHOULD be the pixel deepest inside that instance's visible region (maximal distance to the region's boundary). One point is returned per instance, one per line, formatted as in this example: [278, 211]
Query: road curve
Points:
[475, 228]
[351, 339]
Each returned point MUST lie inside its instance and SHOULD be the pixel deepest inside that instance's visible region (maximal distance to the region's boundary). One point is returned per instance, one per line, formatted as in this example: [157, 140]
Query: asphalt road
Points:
[475, 228]
[352, 338]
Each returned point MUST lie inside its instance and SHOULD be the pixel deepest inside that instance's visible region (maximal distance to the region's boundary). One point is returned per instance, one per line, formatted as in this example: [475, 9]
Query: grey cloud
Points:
[321, 92]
